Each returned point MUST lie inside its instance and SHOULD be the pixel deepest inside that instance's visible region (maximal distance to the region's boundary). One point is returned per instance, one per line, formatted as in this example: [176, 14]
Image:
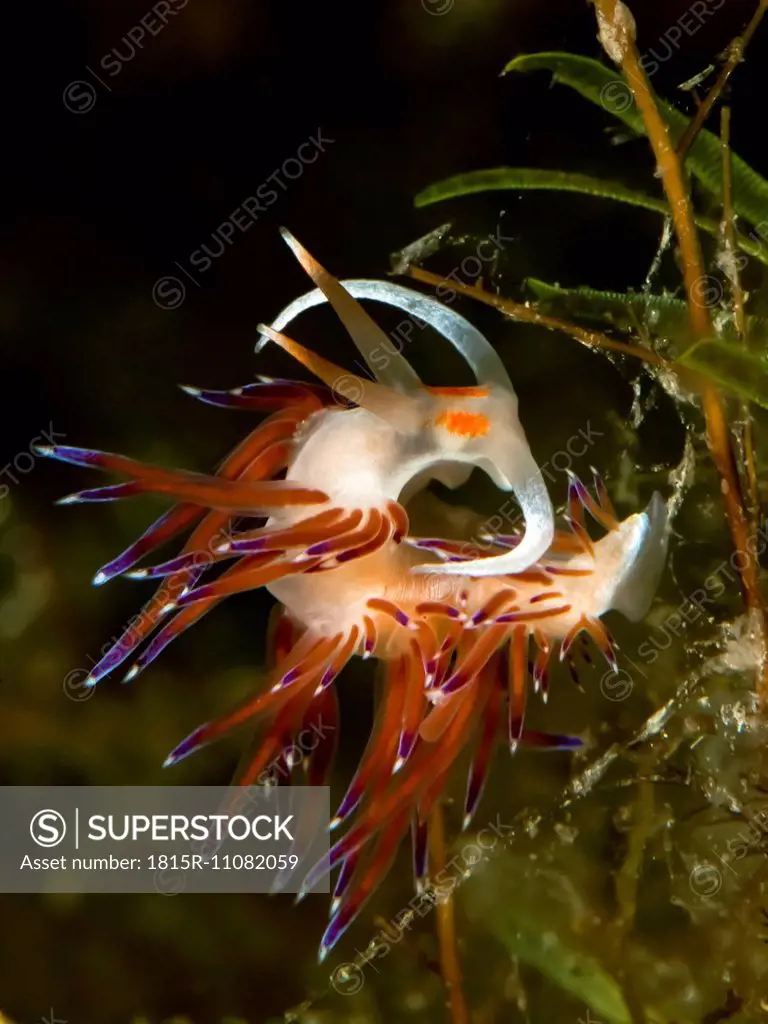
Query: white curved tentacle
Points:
[531, 492]
[482, 358]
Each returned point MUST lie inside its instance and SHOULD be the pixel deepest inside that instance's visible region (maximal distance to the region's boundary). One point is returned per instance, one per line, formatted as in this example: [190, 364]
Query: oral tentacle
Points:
[400, 411]
[475, 348]
[530, 490]
[364, 331]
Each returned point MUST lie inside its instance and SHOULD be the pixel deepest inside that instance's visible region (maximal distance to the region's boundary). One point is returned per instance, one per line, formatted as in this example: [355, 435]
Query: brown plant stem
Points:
[591, 339]
[735, 56]
[729, 231]
[526, 314]
[446, 925]
[611, 13]
[739, 315]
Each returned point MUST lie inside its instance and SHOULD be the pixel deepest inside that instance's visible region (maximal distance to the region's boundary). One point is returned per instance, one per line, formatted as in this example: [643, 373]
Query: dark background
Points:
[98, 206]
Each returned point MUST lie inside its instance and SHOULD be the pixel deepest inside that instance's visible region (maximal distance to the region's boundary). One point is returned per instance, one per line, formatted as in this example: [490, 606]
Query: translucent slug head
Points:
[450, 430]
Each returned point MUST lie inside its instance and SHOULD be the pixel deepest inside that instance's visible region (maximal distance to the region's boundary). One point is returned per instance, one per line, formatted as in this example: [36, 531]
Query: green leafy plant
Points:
[661, 315]
[718, 352]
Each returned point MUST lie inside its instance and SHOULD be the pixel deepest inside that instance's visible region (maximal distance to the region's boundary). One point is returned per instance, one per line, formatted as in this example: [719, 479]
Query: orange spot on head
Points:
[461, 392]
[466, 424]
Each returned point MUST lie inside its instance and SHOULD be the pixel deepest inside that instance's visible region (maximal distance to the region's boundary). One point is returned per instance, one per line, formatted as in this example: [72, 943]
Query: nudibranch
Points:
[322, 484]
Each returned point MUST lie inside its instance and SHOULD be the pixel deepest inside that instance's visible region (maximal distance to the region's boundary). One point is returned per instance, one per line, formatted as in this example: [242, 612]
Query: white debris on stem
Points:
[617, 35]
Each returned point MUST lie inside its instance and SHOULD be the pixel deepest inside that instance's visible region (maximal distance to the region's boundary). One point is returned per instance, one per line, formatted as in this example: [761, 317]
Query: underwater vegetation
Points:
[612, 870]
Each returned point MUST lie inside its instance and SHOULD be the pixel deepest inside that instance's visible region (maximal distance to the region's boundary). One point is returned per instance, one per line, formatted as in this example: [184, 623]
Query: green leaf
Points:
[519, 178]
[531, 910]
[732, 366]
[662, 315]
[516, 179]
[577, 973]
[606, 88]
